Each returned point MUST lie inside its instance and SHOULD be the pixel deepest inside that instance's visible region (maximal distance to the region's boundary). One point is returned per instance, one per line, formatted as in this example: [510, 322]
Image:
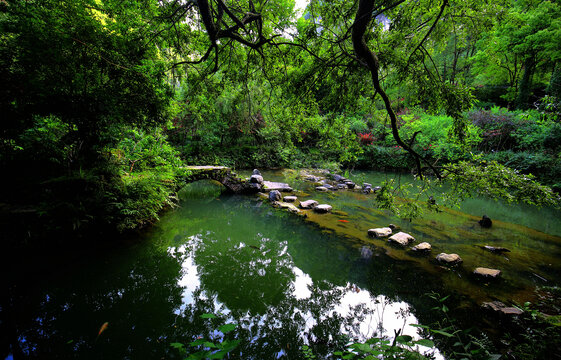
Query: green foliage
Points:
[150, 172]
[455, 342]
[403, 347]
[216, 348]
[489, 178]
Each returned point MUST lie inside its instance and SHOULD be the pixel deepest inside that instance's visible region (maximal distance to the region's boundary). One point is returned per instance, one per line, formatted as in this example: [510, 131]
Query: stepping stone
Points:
[275, 195]
[321, 188]
[322, 209]
[487, 273]
[401, 238]
[342, 186]
[290, 198]
[449, 259]
[288, 206]
[380, 232]
[422, 247]
[308, 204]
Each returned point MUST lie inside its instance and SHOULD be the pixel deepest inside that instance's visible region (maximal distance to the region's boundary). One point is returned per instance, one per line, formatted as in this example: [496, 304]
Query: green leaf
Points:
[208, 344]
[441, 333]
[425, 342]
[218, 355]
[226, 328]
[402, 339]
[419, 326]
[208, 316]
[197, 342]
[178, 346]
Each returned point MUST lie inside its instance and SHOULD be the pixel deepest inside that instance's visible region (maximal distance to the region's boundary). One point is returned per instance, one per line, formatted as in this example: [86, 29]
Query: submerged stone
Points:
[401, 238]
[495, 249]
[308, 204]
[380, 232]
[485, 222]
[323, 208]
[500, 308]
[487, 273]
[449, 259]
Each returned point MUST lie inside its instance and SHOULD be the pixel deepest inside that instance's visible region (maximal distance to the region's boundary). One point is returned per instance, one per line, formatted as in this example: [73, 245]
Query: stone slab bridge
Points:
[232, 181]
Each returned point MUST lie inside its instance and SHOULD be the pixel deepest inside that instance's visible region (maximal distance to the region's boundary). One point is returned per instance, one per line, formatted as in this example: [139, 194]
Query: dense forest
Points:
[104, 102]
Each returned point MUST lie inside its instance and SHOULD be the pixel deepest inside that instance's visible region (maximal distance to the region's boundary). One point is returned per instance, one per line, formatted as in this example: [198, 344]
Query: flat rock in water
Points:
[449, 259]
[270, 185]
[422, 247]
[487, 273]
[308, 204]
[380, 232]
[290, 207]
[321, 188]
[323, 208]
[290, 198]
[499, 307]
[401, 238]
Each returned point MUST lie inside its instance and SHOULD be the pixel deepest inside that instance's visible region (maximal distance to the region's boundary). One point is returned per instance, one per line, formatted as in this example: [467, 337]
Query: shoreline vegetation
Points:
[104, 103]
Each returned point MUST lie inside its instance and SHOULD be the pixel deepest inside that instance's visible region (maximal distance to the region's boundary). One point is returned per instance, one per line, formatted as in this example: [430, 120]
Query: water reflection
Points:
[279, 307]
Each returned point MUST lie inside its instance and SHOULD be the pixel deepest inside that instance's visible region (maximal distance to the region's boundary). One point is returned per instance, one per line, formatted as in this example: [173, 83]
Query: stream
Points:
[285, 280]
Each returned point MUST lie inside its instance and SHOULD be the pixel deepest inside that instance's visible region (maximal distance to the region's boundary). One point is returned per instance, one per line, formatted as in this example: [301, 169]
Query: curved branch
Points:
[362, 20]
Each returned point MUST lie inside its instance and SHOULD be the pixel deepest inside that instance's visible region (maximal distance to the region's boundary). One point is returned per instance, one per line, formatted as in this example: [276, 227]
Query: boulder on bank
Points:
[270, 186]
[342, 186]
[308, 204]
[323, 208]
[485, 222]
[321, 188]
[401, 238]
[449, 259]
[256, 172]
[256, 179]
[380, 232]
[350, 184]
[275, 195]
[422, 247]
[487, 273]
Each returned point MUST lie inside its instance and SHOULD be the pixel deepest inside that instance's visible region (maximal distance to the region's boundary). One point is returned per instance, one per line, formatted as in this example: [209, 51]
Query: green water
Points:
[286, 280]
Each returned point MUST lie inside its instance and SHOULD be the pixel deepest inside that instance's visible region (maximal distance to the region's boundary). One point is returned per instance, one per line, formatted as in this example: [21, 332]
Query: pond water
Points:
[285, 280]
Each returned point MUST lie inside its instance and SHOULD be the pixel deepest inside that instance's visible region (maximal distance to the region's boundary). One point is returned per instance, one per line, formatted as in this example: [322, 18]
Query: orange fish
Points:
[344, 221]
[103, 328]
